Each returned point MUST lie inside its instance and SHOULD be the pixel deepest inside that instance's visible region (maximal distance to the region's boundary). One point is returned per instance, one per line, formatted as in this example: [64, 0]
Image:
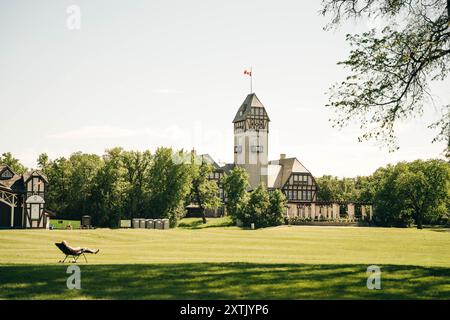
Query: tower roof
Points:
[245, 109]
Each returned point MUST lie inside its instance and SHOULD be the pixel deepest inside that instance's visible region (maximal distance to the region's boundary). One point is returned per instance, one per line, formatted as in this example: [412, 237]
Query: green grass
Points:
[220, 262]
[61, 224]
[196, 223]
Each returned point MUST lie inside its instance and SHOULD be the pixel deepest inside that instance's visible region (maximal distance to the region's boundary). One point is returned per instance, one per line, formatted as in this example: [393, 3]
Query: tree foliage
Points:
[119, 185]
[257, 207]
[416, 192]
[204, 191]
[15, 165]
[169, 184]
[235, 187]
[391, 68]
[277, 208]
[407, 193]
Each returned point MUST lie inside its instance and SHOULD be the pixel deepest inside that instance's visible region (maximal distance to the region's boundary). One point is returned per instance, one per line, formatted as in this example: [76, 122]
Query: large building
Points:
[251, 146]
[288, 174]
[22, 199]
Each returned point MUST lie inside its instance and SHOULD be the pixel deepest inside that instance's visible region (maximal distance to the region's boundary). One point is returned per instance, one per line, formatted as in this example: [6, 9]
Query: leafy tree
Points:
[204, 191]
[169, 183]
[390, 68]
[335, 189]
[257, 207]
[277, 208]
[418, 191]
[83, 170]
[235, 186]
[108, 190]
[137, 165]
[43, 161]
[58, 174]
[15, 165]
[70, 183]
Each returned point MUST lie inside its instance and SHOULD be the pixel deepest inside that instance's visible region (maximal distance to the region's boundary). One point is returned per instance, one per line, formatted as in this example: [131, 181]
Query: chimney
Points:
[282, 156]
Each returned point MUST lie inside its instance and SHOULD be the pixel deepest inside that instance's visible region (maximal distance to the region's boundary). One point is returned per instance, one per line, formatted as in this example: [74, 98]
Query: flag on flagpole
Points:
[248, 71]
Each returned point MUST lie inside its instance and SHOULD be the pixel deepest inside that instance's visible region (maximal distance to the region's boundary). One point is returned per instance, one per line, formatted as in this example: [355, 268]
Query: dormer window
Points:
[6, 174]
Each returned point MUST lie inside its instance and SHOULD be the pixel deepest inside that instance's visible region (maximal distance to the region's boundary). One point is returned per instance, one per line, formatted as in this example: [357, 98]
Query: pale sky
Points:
[142, 74]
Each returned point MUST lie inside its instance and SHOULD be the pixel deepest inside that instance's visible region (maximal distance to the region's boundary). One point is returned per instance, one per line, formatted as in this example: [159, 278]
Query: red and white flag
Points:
[248, 71]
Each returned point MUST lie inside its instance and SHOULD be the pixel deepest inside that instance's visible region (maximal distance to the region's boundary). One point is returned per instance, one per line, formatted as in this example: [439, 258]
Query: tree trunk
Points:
[419, 220]
[203, 215]
[200, 204]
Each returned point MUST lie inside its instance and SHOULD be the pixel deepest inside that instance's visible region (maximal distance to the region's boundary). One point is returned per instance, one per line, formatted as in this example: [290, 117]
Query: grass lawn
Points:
[61, 224]
[218, 261]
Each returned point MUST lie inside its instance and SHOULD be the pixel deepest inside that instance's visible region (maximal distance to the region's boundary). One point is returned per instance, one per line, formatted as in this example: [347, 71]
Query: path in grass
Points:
[226, 262]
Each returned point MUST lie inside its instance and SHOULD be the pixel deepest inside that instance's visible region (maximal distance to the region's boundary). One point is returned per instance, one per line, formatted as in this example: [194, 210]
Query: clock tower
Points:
[251, 133]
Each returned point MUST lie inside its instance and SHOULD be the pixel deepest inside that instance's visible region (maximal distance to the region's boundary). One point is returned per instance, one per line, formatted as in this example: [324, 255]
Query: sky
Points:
[142, 74]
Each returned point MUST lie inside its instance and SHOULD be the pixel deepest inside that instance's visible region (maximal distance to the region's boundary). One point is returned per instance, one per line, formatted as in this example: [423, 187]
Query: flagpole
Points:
[251, 80]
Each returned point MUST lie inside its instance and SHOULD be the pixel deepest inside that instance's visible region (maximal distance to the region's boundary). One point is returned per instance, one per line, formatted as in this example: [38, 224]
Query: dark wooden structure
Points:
[22, 199]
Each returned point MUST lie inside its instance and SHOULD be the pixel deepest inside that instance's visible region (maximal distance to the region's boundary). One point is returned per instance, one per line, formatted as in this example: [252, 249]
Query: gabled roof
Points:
[285, 167]
[245, 109]
[274, 175]
[208, 159]
[28, 175]
[13, 183]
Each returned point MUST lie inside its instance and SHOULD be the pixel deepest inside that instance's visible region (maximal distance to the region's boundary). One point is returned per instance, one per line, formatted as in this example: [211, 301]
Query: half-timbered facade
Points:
[251, 146]
[22, 203]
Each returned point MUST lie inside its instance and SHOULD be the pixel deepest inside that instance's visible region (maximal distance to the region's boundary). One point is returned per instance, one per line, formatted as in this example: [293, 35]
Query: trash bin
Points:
[135, 223]
[165, 223]
[142, 223]
[158, 224]
[85, 222]
[149, 224]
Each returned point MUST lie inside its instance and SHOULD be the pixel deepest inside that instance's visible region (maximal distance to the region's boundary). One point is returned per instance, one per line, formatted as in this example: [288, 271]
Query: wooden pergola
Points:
[11, 200]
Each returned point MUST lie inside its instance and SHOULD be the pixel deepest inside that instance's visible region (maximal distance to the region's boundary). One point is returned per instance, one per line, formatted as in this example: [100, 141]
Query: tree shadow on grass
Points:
[223, 281]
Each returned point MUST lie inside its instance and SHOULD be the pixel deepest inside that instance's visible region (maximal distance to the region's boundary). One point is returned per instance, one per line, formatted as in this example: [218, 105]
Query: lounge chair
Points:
[69, 252]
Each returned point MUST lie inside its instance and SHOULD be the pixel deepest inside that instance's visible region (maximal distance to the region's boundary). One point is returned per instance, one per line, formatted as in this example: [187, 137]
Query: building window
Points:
[237, 149]
[257, 149]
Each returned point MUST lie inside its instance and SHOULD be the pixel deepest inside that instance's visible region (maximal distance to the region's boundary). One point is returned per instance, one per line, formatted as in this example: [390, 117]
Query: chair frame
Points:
[70, 253]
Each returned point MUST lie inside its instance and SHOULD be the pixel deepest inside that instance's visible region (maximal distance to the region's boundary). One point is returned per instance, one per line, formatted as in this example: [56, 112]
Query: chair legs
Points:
[75, 258]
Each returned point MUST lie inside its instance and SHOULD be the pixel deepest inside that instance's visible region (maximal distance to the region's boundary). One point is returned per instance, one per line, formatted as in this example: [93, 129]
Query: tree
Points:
[257, 207]
[108, 190]
[169, 183]
[391, 68]
[70, 183]
[418, 192]
[15, 165]
[137, 165]
[277, 208]
[235, 187]
[335, 189]
[58, 174]
[204, 191]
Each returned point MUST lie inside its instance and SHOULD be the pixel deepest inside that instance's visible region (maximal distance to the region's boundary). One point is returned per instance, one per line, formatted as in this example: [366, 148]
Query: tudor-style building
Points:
[251, 144]
[22, 203]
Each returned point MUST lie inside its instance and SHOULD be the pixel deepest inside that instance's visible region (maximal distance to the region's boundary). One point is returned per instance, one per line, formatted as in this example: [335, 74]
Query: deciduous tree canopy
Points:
[391, 67]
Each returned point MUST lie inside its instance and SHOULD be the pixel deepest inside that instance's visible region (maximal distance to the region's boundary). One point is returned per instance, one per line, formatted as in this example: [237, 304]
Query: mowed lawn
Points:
[222, 262]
